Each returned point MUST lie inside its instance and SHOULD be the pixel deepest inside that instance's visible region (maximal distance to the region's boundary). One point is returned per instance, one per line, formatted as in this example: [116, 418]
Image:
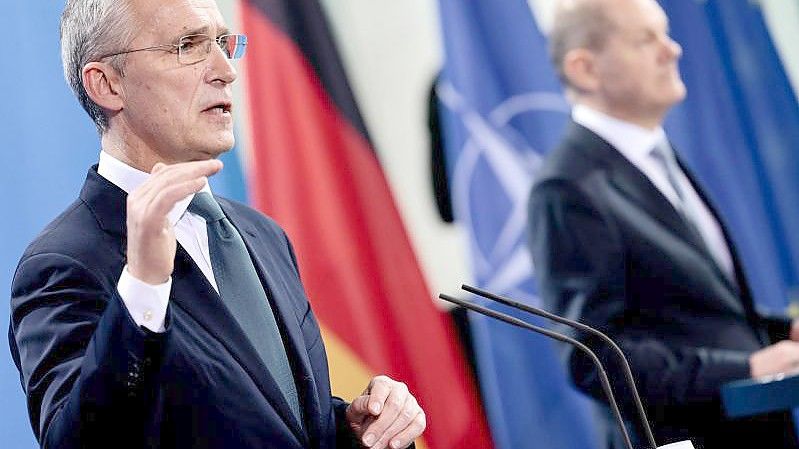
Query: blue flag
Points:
[738, 129]
[502, 110]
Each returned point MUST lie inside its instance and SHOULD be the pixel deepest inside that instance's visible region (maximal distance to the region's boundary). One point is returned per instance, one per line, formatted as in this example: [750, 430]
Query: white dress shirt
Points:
[147, 303]
[635, 144]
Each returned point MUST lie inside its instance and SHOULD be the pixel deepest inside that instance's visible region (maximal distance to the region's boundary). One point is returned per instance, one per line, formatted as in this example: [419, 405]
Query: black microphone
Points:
[580, 326]
[603, 377]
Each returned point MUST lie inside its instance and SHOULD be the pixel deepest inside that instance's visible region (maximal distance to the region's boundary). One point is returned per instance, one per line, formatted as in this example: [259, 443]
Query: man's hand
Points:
[386, 415]
[780, 357]
[151, 238]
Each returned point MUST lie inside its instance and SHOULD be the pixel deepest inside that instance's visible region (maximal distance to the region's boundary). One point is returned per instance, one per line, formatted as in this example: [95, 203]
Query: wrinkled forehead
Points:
[169, 19]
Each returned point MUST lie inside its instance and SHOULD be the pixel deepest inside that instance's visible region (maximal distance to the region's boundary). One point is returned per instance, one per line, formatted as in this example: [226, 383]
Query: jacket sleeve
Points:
[85, 366]
[580, 262]
[777, 326]
[345, 438]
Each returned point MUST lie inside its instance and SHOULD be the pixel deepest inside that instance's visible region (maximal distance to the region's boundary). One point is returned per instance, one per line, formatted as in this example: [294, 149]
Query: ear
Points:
[102, 84]
[579, 67]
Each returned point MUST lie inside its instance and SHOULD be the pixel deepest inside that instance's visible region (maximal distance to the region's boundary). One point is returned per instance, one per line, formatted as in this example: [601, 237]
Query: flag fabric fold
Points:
[738, 129]
[502, 110]
[314, 170]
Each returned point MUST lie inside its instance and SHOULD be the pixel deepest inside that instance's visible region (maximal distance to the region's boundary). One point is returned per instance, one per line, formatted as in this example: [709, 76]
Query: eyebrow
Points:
[202, 30]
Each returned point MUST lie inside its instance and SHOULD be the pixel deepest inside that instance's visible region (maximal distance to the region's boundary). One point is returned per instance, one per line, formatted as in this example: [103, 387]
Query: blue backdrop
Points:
[738, 129]
[502, 112]
[48, 144]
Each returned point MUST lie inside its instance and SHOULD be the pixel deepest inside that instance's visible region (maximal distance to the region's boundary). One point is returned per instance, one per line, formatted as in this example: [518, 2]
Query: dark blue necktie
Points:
[243, 295]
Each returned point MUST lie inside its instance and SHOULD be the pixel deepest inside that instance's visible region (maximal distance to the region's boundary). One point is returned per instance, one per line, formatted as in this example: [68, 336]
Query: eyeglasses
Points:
[194, 48]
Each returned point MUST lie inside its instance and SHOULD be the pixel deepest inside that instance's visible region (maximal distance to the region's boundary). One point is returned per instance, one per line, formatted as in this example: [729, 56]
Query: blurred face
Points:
[637, 74]
[177, 112]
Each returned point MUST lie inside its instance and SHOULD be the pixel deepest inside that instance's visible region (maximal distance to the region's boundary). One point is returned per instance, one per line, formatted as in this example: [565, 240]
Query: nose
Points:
[220, 68]
[673, 48]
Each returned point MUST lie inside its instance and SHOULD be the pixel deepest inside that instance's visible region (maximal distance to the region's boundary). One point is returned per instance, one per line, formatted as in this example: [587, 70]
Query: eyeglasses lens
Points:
[195, 48]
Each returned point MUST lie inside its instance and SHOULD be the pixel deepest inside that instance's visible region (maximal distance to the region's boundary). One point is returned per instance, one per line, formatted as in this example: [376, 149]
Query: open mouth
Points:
[222, 107]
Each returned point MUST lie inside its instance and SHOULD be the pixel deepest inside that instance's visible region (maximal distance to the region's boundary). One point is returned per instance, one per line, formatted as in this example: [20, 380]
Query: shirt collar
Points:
[633, 141]
[129, 179]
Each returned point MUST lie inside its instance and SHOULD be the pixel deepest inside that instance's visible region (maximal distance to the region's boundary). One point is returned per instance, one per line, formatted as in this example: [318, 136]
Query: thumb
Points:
[157, 167]
[358, 409]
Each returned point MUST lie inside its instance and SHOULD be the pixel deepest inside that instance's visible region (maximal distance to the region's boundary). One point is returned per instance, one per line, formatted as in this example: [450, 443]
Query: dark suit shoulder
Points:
[580, 157]
[74, 233]
[565, 163]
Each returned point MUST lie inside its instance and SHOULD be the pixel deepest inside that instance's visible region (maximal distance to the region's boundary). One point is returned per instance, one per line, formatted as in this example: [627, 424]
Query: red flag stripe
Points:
[316, 175]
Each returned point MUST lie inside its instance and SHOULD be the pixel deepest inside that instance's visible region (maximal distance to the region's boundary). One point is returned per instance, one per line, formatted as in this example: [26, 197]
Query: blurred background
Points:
[414, 129]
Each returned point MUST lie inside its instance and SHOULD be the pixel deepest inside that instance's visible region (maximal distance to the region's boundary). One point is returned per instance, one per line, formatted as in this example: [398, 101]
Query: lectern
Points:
[750, 397]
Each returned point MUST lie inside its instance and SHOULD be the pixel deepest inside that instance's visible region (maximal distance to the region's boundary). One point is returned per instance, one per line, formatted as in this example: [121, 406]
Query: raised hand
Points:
[151, 241]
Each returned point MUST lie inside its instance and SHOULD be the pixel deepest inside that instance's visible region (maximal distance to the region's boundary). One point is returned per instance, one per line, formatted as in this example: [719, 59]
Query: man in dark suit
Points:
[623, 240]
[151, 314]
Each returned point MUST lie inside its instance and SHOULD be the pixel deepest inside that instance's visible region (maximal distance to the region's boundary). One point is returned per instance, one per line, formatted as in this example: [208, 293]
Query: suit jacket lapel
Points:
[738, 273]
[634, 185]
[108, 204]
[192, 292]
[275, 283]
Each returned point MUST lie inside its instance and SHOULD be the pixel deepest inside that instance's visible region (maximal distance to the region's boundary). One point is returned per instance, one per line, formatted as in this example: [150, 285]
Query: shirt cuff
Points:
[146, 303]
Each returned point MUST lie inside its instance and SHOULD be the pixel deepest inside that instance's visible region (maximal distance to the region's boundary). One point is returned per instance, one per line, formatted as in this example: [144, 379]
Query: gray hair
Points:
[578, 24]
[89, 30]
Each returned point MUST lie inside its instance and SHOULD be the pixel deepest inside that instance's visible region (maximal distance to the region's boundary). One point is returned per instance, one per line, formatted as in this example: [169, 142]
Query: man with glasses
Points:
[151, 313]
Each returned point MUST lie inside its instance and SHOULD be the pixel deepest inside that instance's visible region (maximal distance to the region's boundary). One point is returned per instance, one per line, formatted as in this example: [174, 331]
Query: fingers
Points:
[393, 418]
[164, 200]
[151, 241]
[379, 390]
[151, 202]
[407, 425]
[168, 182]
[163, 175]
[411, 432]
[780, 357]
[358, 409]
[157, 167]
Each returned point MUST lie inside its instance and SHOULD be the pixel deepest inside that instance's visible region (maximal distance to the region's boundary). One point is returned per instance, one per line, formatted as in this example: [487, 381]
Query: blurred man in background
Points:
[151, 313]
[625, 241]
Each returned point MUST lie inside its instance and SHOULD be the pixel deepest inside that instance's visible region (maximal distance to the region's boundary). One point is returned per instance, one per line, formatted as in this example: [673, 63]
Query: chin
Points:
[222, 143]
[673, 94]
[218, 151]
[677, 98]
[678, 88]
[205, 151]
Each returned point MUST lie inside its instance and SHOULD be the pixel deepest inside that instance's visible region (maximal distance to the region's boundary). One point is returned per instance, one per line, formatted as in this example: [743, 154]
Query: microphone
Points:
[580, 326]
[603, 377]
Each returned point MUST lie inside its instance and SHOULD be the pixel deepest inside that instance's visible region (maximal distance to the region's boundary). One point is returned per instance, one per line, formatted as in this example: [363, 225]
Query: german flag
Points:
[312, 167]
